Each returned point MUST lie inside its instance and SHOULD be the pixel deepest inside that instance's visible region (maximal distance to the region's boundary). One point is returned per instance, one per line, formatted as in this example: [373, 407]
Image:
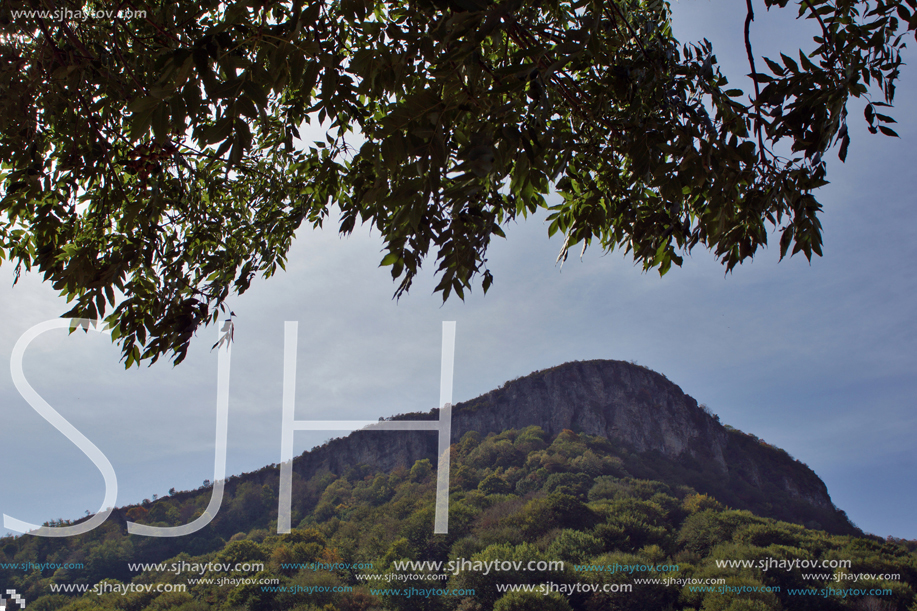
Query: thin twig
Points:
[824, 28]
[754, 73]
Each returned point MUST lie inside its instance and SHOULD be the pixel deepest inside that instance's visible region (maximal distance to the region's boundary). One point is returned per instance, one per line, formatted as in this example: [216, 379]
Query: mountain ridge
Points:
[667, 433]
[598, 464]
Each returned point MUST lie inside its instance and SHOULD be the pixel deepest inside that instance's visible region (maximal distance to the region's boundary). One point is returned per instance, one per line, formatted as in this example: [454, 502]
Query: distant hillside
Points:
[665, 434]
[601, 465]
[558, 512]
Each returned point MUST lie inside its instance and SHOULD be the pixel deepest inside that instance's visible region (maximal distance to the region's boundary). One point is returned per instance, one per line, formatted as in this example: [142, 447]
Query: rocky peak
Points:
[668, 435]
[620, 401]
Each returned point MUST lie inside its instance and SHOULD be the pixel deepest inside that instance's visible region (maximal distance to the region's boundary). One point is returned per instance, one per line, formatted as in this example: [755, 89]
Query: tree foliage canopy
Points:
[152, 163]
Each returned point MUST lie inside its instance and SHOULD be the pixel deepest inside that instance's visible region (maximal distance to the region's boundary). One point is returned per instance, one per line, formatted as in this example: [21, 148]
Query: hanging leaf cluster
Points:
[153, 161]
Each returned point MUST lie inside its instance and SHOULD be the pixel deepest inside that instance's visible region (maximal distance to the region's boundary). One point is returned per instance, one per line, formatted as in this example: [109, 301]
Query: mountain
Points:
[666, 435]
[583, 484]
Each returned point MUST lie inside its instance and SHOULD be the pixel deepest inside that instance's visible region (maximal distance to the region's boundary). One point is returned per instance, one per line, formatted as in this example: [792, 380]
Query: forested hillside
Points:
[570, 511]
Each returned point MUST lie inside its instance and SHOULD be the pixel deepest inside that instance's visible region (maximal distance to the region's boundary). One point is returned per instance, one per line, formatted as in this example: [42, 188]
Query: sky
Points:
[817, 359]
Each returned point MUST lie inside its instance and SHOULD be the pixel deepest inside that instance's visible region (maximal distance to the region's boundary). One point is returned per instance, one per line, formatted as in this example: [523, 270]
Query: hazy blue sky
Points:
[817, 359]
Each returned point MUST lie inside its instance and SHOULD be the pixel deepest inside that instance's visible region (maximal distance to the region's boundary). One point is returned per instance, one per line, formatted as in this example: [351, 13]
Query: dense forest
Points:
[574, 516]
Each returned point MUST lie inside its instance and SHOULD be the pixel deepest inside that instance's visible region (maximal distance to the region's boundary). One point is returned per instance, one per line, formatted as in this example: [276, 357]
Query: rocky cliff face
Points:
[619, 401]
[640, 410]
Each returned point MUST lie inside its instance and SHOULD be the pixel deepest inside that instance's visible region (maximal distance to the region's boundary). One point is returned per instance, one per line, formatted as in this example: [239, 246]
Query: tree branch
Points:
[754, 73]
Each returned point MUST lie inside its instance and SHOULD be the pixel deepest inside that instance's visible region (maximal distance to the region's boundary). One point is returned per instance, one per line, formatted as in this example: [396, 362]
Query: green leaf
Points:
[775, 67]
[789, 63]
[140, 123]
[160, 122]
[144, 104]
[218, 132]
